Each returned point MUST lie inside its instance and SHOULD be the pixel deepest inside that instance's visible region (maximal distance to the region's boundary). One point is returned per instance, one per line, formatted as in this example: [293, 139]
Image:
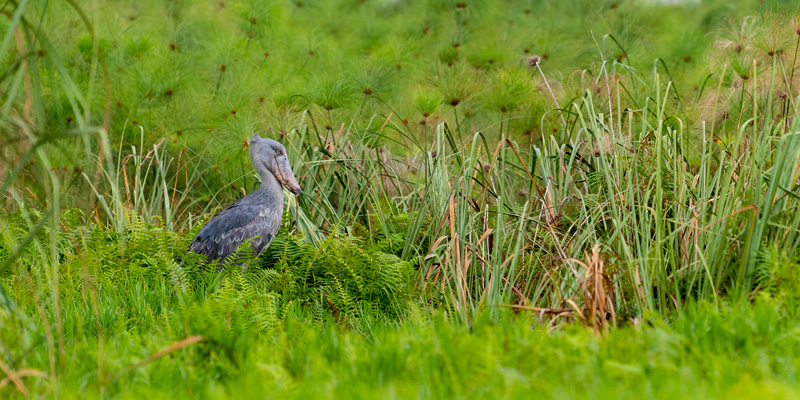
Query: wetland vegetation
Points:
[501, 199]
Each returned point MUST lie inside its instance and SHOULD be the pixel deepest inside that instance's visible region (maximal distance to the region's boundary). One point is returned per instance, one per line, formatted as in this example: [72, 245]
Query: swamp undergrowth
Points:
[499, 198]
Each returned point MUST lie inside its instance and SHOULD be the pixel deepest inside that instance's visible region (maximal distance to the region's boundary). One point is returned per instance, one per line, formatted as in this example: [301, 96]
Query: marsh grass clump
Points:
[458, 191]
[427, 101]
[511, 89]
[333, 93]
[743, 58]
[374, 78]
[457, 84]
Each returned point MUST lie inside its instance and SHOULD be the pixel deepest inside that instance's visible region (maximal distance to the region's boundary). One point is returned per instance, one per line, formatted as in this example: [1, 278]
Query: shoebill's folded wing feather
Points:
[240, 221]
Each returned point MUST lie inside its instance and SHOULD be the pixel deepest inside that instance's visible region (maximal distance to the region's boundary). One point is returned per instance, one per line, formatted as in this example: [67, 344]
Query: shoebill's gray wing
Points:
[221, 236]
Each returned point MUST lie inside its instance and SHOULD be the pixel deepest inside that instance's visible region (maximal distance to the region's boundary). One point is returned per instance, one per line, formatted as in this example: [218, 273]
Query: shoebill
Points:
[257, 215]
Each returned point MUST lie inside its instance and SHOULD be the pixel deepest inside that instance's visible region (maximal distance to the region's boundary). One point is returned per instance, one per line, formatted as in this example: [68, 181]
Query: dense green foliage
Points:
[729, 352]
[499, 198]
